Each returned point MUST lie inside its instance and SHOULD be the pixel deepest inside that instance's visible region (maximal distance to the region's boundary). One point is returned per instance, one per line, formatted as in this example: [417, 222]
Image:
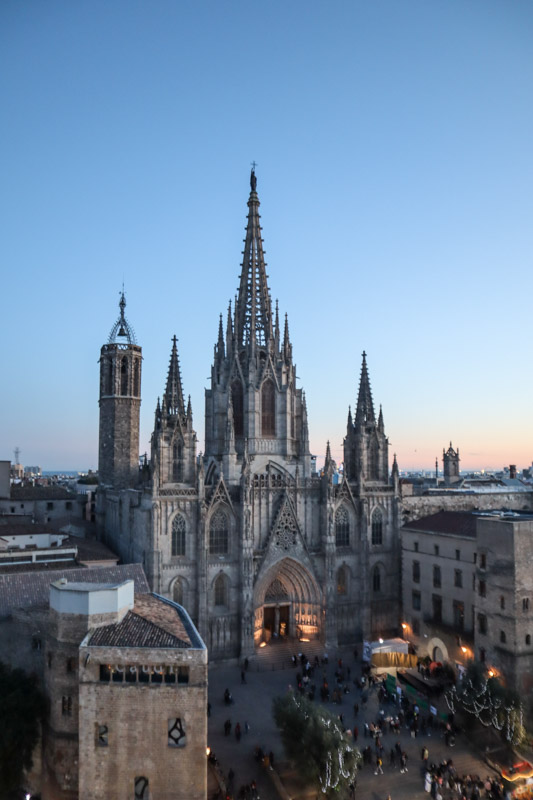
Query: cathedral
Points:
[248, 536]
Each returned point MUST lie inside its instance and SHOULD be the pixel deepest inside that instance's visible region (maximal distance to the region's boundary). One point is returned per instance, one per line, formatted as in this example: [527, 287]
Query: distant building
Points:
[468, 591]
[33, 472]
[43, 504]
[450, 461]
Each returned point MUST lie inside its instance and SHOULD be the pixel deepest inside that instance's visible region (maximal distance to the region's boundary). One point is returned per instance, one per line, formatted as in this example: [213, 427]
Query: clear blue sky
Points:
[395, 172]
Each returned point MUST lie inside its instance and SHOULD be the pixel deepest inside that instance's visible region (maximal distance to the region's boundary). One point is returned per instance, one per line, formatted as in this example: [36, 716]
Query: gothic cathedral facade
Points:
[248, 537]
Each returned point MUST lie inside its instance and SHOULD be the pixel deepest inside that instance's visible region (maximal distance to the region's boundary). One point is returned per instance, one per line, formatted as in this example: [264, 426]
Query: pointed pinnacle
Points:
[365, 405]
[173, 397]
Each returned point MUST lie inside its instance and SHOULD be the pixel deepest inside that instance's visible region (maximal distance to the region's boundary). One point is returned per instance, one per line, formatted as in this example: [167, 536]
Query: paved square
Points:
[253, 705]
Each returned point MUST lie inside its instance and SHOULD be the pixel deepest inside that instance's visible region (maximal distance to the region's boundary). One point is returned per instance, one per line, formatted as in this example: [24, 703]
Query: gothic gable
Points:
[285, 540]
[221, 495]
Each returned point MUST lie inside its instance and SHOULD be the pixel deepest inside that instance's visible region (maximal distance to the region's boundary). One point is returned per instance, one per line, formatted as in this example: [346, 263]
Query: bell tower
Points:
[120, 403]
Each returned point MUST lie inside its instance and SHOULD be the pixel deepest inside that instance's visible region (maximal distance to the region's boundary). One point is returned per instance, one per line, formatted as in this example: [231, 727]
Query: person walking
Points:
[379, 766]
[238, 731]
[403, 763]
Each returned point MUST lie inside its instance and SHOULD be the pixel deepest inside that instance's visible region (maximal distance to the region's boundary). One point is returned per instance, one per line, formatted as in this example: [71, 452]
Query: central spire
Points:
[365, 405]
[253, 312]
[174, 393]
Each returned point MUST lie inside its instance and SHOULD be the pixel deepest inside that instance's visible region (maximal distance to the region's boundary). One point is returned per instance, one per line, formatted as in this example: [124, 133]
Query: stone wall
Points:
[137, 716]
[415, 507]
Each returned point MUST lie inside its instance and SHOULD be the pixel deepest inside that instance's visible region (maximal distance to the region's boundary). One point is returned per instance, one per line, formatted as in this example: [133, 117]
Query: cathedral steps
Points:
[278, 655]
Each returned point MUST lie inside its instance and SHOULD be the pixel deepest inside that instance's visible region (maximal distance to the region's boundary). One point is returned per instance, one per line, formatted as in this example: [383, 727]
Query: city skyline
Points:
[394, 174]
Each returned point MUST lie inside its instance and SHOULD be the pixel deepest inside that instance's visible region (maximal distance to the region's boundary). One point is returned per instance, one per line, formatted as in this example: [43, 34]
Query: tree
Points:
[314, 740]
[492, 704]
[23, 710]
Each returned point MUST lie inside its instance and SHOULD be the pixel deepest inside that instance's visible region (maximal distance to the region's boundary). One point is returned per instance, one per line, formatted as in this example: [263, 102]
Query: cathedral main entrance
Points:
[288, 604]
[276, 621]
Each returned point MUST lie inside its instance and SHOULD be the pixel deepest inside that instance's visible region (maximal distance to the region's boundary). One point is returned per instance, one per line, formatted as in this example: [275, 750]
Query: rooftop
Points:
[153, 622]
[31, 588]
[461, 523]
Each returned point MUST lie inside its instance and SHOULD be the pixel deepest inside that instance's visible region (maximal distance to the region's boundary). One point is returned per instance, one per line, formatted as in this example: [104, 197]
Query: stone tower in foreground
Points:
[120, 403]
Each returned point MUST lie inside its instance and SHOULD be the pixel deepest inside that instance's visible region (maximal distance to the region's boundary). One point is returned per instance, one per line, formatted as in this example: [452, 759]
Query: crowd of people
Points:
[384, 748]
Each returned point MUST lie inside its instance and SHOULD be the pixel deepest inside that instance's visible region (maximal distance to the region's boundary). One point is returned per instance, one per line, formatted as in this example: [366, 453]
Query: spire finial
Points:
[122, 328]
[253, 179]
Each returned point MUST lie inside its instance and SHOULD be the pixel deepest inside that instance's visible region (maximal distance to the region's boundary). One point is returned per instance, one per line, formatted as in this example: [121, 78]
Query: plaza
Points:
[267, 678]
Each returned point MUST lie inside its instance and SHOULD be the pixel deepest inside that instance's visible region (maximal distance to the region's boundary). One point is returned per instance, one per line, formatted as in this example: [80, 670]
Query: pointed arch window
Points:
[376, 580]
[221, 591]
[108, 377]
[178, 536]
[177, 592]
[124, 376]
[377, 527]
[342, 528]
[237, 401]
[177, 463]
[136, 379]
[219, 534]
[342, 581]
[268, 408]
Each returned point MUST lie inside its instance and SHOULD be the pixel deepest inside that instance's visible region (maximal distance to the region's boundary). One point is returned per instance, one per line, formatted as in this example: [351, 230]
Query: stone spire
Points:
[253, 312]
[220, 344]
[365, 406]
[287, 346]
[173, 397]
[381, 424]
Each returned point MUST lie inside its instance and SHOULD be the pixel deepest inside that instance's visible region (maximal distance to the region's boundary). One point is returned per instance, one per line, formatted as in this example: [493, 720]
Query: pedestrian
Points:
[355, 732]
[392, 758]
[403, 762]
[227, 727]
[271, 757]
[238, 731]
[246, 664]
[379, 766]
[246, 726]
[243, 676]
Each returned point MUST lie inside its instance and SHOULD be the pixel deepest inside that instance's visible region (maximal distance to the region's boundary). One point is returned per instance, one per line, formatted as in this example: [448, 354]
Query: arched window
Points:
[376, 580]
[528, 638]
[124, 376]
[177, 463]
[141, 789]
[177, 592]
[268, 409]
[342, 581]
[136, 379]
[221, 591]
[178, 536]
[377, 527]
[108, 377]
[342, 528]
[237, 402]
[218, 534]
[373, 461]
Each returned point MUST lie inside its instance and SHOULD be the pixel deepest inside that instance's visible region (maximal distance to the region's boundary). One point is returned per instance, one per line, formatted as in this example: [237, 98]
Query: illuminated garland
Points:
[491, 711]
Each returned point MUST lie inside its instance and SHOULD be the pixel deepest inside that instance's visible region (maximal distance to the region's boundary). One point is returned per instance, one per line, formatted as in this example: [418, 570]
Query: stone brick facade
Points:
[248, 536]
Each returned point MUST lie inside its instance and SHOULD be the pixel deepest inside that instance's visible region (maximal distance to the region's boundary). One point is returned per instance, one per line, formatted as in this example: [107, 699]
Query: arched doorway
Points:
[287, 603]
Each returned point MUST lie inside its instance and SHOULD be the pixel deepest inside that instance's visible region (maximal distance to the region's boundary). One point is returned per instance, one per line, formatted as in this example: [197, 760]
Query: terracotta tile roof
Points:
[137, 631]
[461, 523]
[31, 589]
